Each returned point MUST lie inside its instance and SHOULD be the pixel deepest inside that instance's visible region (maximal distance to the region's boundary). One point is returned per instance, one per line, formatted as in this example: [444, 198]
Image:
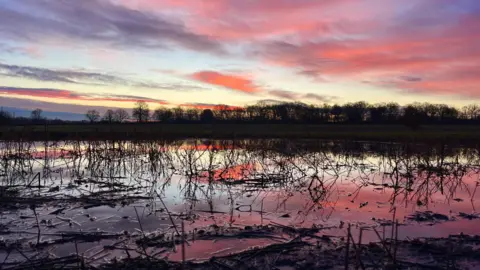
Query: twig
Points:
[76, 250]
[168, 212]
[359, 246]
[383, 243]
[347, 250]
[393, 225]
[183, 245]
[6, 258]
[126, 251]
[261, 214]
[143, 233]
[21, 253]
[395, 244]
[357, 254]
[38, 224]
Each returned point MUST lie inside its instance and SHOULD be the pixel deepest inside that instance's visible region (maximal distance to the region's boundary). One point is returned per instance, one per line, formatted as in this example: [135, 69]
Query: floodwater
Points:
[120, 192]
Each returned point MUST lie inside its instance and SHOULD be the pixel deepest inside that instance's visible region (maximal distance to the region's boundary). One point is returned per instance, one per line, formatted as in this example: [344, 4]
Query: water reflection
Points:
[85, 185]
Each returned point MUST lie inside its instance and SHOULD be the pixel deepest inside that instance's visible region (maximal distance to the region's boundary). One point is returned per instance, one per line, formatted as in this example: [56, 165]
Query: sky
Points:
[72, 55]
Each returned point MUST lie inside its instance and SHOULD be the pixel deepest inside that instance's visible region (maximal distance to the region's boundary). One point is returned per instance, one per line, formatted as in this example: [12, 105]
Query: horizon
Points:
[73, 56]
[470, 111]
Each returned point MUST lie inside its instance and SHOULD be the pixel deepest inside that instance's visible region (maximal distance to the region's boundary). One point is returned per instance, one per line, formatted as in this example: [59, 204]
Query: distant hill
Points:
[19, 112]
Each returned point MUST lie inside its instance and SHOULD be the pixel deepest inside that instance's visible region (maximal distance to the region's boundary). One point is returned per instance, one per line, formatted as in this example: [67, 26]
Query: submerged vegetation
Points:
[206, 204]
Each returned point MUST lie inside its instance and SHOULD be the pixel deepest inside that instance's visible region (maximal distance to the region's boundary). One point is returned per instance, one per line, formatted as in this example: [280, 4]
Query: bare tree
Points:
[109, 116]
[121, 115]
[471, 112]
[141, 111]
[92, 115]
[5, 116]
[36, 114]
[178, 113]
[162, 115]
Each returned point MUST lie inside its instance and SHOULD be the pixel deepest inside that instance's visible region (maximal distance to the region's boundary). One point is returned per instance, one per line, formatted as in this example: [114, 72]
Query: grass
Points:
[155, 130]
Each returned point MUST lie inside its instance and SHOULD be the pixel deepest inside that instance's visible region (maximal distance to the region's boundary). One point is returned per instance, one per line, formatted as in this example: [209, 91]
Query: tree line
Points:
[294, 112]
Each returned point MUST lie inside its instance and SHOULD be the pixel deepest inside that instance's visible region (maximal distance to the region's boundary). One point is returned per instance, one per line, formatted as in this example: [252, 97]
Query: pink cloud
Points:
[446, 58]
[234, 82]
[365, 40]
[242, 20]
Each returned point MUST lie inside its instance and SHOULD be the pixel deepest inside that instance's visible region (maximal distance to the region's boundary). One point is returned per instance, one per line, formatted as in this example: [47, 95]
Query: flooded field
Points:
[191, 200]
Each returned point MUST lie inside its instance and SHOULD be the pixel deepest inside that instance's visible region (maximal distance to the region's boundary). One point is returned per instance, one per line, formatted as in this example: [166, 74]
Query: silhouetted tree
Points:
[177, 113]
[471, 112]
[162, 115]
[121, 115]
[412, 116]
[378, 113]
[336, 112]
[92, 116]
[36, 114]
[206, 116]
[109, 116]
[355, 112]
[393, 112]
[191, 114]
[447, 113]
[5, 117]
[141, 112]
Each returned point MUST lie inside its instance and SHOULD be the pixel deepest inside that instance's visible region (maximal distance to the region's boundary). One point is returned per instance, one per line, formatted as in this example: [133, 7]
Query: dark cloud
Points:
[317, 97]
[84, 77]
[410, 78]
[203, 106]
[270, 101]
[96, 21]
[297, 96]
[284, 94]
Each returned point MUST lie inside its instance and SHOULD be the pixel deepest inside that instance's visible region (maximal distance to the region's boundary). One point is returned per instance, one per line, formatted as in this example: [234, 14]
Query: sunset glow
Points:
[200, 54]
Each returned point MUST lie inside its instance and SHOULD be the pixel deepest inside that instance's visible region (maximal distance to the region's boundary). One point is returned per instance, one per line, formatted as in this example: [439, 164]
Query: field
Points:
[155, 130]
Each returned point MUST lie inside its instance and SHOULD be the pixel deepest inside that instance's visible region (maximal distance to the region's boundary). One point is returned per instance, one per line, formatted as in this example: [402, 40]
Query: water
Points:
[128, 189]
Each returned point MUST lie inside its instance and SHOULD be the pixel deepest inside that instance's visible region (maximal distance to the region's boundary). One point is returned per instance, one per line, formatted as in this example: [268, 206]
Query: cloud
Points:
[98, 22]
[245, 85]
[410, 78]
[30, 51]
[204, 106]
[320, 98]
[284, 94]
[29, 104]
[427, 46]
[298, 96]
[233, 82]
[270, 101]
[233, 20]
[85, 77]
[442, 50]
[71, 95]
